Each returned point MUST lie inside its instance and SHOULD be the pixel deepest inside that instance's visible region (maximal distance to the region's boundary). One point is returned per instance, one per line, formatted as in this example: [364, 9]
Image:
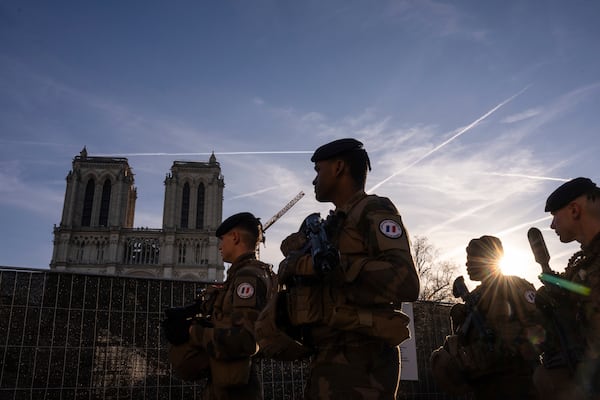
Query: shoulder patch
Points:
[530, 296]
[390, 228]
[244, 290]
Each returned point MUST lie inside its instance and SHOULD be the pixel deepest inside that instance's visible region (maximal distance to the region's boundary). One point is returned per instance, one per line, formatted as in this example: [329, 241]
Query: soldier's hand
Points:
[297, 263]
[458, 315]
[294, 242]
[176, 330]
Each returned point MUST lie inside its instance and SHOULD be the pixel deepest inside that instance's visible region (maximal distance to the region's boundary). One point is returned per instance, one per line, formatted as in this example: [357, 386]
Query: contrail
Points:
[521, 226]
[206, 154]
[540, 178]
[241, 196]
[459, 133]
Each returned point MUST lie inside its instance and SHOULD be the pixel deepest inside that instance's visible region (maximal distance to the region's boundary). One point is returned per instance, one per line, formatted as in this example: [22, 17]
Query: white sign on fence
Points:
[408, 349]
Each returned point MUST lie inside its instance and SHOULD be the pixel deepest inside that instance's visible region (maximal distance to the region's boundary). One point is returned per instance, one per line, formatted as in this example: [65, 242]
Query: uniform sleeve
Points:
[233, 333]
[386, 273]
[591, 308]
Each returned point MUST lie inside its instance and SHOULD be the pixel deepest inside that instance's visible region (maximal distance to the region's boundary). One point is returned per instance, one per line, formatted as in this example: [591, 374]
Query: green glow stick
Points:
[565, 284]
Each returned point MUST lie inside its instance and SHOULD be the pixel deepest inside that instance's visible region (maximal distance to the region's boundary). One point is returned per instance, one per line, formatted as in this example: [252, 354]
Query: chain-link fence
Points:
[75, 336]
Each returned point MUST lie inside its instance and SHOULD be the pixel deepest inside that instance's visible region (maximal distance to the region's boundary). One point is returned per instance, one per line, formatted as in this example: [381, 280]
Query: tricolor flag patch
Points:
[530, 296]
[245, 290]
[390, 228]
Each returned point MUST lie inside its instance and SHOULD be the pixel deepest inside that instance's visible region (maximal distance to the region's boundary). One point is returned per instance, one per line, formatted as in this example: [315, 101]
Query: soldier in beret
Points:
[571, 361]
[228, 340]
[492, 352]
[349, 314]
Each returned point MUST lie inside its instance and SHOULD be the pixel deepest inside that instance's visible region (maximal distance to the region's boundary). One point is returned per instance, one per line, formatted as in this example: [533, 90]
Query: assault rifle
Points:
[460, 290]
[554, 305]
[324, 255]
[177, 320]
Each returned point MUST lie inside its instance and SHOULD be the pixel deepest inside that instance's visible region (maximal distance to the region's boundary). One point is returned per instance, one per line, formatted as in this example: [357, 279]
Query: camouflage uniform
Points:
[498, 365]
[351, 316]
[583, 313]
[231, 343]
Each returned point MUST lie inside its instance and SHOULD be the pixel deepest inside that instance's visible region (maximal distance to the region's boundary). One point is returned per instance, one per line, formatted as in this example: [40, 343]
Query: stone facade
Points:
[96, 233]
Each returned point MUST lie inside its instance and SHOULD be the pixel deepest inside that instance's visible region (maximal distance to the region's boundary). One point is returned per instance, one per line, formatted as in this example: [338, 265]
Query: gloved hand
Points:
[458, 315]
[175, 329]
[294, 242]
[297, 263]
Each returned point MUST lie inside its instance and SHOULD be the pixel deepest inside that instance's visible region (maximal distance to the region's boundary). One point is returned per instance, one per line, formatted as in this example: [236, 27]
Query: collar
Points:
[593, 247]
[241, 260]
[352, 201]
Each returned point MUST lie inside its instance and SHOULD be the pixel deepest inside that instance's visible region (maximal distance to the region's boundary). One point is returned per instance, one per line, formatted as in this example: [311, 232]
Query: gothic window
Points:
[185, 205]
[105, 203]
[80, 251]
[200, 207]
[182, 250]
[197, 253]
[141, 251]
[88, 202]
[100, 251]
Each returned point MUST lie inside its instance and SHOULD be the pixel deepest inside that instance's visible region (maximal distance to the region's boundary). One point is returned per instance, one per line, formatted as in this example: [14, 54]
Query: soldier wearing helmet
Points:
[492, 351]
[226, 343]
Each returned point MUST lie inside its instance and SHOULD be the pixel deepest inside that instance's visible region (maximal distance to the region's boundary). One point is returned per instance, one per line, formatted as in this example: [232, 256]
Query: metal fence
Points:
[74, 336]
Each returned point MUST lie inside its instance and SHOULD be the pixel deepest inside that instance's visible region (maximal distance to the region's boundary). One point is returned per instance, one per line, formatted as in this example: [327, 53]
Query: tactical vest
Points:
[223, 303]
[234, 369]
[584, 268]
[508, 308]
[325, 302]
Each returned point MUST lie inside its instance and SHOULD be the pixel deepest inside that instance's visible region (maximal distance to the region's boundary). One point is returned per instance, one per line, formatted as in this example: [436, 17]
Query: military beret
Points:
[244, 220]
[568, 192]
[486, 247]
[335, 148]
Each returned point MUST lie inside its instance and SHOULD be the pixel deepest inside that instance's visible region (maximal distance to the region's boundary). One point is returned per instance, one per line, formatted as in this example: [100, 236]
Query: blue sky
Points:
[472, 112]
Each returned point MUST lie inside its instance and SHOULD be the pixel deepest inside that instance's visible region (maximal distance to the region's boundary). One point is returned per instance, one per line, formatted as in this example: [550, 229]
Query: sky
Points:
[472, 112]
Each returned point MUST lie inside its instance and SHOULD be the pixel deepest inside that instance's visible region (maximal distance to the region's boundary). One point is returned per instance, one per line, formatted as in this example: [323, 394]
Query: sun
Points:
[514, 262]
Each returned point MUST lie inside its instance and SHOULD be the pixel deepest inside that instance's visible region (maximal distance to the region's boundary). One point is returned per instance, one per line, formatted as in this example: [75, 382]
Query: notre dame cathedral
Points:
[96, 233]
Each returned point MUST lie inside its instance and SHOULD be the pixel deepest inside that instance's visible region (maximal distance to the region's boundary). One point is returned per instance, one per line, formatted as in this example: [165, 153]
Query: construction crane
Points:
[278, 215]
[285, 209]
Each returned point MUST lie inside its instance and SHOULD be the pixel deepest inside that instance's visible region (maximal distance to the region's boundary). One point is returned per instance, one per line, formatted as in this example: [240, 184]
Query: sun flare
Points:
[514, 262]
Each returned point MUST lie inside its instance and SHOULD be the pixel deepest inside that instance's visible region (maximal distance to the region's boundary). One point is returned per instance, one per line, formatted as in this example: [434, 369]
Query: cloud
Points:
[460, 132]
[436, 18]
[522, 115]
[551, 111]
[28, 196]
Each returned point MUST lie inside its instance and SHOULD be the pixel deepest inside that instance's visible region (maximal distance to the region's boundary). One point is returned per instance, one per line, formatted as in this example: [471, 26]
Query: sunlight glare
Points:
[514, 262]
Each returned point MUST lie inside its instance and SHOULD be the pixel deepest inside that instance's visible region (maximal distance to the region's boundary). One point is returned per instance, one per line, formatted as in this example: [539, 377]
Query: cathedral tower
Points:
[96, 233]
[99, 193]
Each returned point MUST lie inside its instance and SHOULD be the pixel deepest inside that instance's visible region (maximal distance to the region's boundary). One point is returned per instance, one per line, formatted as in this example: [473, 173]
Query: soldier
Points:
[348, 311]
[492, 351]
[225, 343]
[571, 361]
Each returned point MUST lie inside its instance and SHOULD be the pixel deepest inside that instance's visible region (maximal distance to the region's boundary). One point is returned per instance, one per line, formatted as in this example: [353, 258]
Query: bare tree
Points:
[436, 275]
